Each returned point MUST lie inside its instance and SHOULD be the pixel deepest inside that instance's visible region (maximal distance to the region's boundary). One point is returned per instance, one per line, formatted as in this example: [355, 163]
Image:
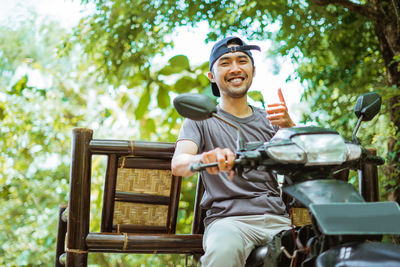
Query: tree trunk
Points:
[387, 28]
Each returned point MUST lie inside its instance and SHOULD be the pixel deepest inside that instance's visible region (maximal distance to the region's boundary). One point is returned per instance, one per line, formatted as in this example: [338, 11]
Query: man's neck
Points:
[236, 106]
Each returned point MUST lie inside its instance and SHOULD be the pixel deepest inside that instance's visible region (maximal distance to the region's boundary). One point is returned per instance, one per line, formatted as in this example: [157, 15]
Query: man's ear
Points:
[211, 77]
[254, 71]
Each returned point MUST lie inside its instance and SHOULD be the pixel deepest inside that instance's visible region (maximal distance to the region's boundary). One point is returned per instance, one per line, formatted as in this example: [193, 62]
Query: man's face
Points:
[233, 73]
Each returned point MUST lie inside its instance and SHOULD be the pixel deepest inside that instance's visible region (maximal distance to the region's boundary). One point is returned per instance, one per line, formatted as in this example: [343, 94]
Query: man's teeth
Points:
[236, 80]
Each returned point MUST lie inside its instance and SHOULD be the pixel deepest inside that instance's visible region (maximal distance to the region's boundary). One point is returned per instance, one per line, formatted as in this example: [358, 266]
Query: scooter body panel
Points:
[363, 218]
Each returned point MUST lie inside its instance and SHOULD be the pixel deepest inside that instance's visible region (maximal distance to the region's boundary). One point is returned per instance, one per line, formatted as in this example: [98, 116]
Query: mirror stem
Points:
[240, 141]
[355, 139]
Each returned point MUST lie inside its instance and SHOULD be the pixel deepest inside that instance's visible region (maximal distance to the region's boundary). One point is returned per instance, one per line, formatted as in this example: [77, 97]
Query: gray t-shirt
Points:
[223, 197]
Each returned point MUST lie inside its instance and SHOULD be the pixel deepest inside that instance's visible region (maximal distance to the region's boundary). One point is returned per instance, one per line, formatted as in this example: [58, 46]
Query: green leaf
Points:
[176, 64]
[123, 99]
[143, 104]
[203, 80]
[185, 84]
[135, 80]
[257, 96]
[163, 98]
[168, 70]
[20, 85]
[107, 112]
[179, 62]
[150, 126]
[2, 111]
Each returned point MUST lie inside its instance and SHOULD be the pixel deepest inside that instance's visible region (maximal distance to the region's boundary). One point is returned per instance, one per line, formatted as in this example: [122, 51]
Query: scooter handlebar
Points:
[195, 167]
[374, 160]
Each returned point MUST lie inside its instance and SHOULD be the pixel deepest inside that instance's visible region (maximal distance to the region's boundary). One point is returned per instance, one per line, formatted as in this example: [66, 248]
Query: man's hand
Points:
[224, 157]
[278, 113]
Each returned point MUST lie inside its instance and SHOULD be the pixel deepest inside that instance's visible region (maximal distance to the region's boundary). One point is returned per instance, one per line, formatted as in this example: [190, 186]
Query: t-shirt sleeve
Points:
[191, 130]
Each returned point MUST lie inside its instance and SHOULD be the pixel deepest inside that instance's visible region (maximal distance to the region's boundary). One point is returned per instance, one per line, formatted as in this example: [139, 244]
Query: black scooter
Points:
[345, 230]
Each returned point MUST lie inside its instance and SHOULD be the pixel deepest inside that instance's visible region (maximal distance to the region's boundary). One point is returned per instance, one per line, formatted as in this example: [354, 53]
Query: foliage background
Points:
[101, 76]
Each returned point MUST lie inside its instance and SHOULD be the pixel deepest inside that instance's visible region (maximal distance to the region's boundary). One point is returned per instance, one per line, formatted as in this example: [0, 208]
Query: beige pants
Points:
[229, 241]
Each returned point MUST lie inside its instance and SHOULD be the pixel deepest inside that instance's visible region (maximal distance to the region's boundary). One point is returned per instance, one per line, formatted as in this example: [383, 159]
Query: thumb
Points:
[281, 98]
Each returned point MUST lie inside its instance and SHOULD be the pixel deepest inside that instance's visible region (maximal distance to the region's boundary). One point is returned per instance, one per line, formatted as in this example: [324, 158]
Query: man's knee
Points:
[224, 245]
[225, 242]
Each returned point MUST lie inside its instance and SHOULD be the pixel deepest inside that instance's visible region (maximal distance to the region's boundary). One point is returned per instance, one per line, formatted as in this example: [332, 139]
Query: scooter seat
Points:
[257, 256]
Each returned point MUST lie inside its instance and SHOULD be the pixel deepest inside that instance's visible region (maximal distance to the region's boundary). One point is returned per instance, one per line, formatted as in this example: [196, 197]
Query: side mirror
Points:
[196, 107]
[367, 106]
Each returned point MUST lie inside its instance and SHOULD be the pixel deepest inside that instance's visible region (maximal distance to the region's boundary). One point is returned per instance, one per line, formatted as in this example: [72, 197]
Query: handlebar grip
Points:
[195, 167]
[374, 160]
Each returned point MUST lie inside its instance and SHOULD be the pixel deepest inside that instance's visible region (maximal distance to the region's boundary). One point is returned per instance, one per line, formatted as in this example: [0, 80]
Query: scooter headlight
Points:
[287, 153]
[322, 149]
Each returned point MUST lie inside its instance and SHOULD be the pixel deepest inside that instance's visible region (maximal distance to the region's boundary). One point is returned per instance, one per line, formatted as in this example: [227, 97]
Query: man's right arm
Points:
[186, 154]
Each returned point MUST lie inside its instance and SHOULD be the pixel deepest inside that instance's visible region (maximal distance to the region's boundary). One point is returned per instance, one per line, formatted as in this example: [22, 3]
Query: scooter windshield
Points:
[323, 192]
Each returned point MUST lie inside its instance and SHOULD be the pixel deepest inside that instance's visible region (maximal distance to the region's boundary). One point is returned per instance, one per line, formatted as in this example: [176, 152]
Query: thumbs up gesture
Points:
[277, 113]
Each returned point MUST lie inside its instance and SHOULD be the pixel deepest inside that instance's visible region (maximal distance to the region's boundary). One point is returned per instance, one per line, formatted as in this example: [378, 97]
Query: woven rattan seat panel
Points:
[144, 181]
[140, 214]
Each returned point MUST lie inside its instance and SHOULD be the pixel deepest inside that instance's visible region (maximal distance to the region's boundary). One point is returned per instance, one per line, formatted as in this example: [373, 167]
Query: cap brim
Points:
[215, 89]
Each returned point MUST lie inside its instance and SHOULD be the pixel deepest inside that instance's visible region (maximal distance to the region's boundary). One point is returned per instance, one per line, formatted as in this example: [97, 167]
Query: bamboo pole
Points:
[145, 243]
[79, 198]
[109, 194]
[368, 180]
[62, 230]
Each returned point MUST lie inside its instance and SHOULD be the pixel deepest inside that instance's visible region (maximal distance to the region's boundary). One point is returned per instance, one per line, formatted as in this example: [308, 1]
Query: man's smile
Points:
[236, 80]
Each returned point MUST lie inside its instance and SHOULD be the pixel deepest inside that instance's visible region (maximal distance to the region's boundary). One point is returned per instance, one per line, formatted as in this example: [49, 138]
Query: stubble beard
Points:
[237, 92]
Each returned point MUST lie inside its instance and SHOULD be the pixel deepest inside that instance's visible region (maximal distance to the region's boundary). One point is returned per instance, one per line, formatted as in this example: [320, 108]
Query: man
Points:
[240, 214]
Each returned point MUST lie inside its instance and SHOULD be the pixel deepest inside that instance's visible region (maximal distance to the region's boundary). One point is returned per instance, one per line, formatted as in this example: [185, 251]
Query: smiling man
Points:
[240, 214]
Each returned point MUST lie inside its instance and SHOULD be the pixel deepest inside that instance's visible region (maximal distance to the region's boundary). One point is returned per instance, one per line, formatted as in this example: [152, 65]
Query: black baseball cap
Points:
[221, 47]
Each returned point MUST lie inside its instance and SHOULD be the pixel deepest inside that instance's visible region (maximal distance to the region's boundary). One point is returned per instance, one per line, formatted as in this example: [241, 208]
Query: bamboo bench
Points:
[140, 202]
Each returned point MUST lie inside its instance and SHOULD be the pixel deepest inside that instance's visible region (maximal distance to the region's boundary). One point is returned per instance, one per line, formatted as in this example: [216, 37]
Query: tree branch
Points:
[356, 8]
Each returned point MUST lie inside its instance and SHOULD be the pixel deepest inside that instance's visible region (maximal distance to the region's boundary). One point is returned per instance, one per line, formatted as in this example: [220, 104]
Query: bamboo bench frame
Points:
[114, 237]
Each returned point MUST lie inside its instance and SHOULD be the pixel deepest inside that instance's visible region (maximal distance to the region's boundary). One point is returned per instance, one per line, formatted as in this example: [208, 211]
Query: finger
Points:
[276, 104]
[281, 121]
[225, 159]
[212, 170]
[280, 94]
[231, 174]
[275, 117]
[221, 162]
[230, 159]
[279, 109]
[209, 157]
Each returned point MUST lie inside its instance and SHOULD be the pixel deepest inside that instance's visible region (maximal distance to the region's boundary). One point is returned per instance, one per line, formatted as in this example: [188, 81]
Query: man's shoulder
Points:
[258, 110]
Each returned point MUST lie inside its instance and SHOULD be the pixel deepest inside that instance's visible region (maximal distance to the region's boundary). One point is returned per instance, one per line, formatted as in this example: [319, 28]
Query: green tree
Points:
[45, 95]
[50, 87]
[40, 104]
